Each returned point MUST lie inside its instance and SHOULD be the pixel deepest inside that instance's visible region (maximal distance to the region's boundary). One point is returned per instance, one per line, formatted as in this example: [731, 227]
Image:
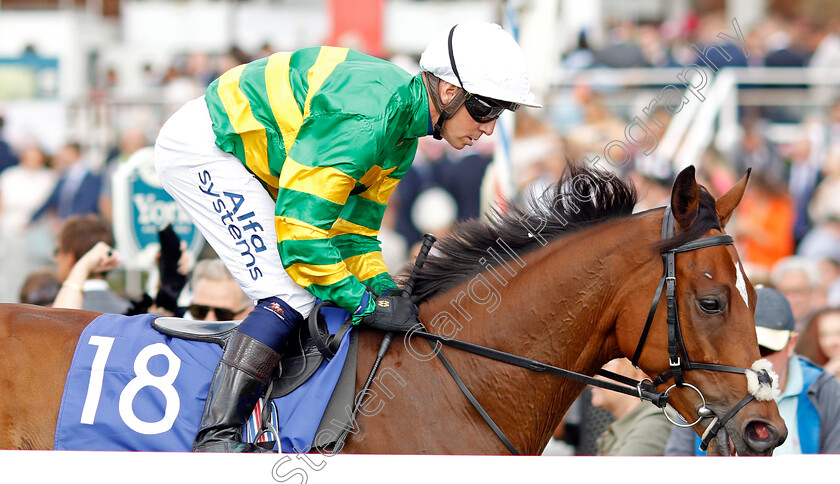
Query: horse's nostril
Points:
[761, 437]
[758, 431]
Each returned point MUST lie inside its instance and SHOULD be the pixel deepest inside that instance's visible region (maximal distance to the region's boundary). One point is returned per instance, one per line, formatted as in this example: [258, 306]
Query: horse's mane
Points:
[581, 198]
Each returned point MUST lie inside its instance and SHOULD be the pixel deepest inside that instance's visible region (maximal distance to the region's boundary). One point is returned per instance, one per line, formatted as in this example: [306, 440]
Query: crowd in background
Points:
[787, 228]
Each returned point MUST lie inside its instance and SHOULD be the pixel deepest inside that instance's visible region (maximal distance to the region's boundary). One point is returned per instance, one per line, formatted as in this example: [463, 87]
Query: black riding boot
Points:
[244, 369]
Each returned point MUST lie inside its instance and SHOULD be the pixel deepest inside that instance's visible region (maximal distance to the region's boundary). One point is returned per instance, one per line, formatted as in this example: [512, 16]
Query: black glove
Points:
[393, 313]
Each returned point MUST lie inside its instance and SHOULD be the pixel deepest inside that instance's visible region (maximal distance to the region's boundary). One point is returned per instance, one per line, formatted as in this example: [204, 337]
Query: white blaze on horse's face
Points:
[741, 283]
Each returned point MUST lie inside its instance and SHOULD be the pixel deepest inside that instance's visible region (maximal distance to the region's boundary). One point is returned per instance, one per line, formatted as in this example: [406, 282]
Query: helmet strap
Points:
[446, 110]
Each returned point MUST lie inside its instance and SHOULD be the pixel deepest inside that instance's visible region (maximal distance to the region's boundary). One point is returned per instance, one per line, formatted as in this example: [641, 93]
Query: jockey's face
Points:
[461, 129]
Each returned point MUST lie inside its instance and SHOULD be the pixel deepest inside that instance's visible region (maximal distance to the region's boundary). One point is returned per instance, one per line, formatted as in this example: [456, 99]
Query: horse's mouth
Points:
[725, 445]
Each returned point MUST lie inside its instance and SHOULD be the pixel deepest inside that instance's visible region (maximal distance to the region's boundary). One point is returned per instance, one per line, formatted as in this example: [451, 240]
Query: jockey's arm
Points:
[327, 238]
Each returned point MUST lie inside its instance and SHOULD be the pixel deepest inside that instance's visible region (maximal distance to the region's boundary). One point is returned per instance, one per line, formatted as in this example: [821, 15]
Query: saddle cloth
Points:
[130, 387]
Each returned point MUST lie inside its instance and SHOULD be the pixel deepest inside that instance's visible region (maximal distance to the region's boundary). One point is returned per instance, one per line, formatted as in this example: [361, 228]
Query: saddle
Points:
[308, 346]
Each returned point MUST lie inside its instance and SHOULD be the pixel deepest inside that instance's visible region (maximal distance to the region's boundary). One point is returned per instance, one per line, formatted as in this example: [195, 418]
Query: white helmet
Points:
[482, 59]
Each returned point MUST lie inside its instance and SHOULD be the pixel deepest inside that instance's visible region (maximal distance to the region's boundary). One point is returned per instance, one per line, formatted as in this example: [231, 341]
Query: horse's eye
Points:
[710, 305]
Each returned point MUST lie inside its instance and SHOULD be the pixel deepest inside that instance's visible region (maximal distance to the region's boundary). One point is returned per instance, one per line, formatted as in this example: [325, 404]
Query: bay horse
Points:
[567, 282]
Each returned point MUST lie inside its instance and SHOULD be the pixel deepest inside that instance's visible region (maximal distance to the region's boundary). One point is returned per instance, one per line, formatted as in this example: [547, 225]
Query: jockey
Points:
[286, 165]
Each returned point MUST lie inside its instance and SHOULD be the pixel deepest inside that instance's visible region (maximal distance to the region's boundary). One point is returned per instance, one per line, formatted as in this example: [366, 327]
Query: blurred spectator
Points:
[622, 49]
[78, 188]
[537, 158]
[757, 152]
[177, 87]
[265, 50]
[216, 295]
[831, 165]
[538, 163]
[131, 140]
[394, 246]
[165, 286]
[822, 243]
[826, 55]
[640, 427]
[557, 445]
[583, 424]
[7, 157]
[200, 67]
[764, 224]
[717, 53]
[809, 398]
[653, 178]
[581, 57]
[462, 173]
[717, 174]
[83, 256]
[23, 188]
[434, 211]
[654, 48]
[798, 278]
[421, 176]
[599, 127]
[820, 340]
[780, 52]
[40, 288]
[805, 166]
[151, 79]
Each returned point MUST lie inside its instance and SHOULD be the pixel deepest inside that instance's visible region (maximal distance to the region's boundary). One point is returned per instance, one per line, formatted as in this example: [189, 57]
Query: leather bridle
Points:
[678, 359]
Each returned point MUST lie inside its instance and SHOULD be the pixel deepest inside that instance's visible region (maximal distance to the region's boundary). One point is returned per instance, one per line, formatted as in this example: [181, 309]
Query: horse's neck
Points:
[548, 304]
[556, 305]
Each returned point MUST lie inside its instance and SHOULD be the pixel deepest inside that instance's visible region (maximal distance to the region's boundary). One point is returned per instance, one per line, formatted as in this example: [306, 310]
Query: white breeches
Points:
[227, 203]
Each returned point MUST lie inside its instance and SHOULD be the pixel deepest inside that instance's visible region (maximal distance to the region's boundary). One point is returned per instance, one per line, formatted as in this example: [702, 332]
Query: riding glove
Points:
[391, 313]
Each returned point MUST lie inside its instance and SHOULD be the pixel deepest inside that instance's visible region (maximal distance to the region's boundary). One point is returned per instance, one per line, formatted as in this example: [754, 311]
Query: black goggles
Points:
[200, 311]
[482, 109]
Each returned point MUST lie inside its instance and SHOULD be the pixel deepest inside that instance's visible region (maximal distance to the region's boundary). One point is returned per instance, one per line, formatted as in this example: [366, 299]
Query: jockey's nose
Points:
[487, 128]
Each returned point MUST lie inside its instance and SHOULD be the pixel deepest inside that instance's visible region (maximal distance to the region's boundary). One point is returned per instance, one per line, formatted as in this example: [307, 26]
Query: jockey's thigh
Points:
[227, 203]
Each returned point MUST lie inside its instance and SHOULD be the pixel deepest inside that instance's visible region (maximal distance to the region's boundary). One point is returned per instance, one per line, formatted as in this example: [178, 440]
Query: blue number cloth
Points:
[147, 390]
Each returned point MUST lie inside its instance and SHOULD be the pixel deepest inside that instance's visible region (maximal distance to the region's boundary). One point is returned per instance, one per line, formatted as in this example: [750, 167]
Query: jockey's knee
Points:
[271, 322]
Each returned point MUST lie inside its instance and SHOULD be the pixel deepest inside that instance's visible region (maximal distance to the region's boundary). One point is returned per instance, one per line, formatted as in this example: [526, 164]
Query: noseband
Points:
[678, 359]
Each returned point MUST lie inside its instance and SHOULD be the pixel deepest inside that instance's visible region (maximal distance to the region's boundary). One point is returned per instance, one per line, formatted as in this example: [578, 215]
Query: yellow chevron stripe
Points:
[375, 173]
[342, 226]
[325, 182]
[328, 58]
[281, 98]
[245, 124]
[381, 190]
[293, 229]
[366, 266]
[306, 274]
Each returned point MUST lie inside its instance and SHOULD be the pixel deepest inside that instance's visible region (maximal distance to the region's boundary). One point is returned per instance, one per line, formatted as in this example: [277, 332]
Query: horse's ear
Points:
[685, 199]
[726, 204]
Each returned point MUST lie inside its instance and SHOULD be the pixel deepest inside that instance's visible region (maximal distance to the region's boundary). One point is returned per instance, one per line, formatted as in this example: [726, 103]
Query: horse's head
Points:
[703, 347]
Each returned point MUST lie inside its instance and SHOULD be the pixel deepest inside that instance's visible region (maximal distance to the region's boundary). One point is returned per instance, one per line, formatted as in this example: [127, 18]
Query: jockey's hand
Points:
[392, 313]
